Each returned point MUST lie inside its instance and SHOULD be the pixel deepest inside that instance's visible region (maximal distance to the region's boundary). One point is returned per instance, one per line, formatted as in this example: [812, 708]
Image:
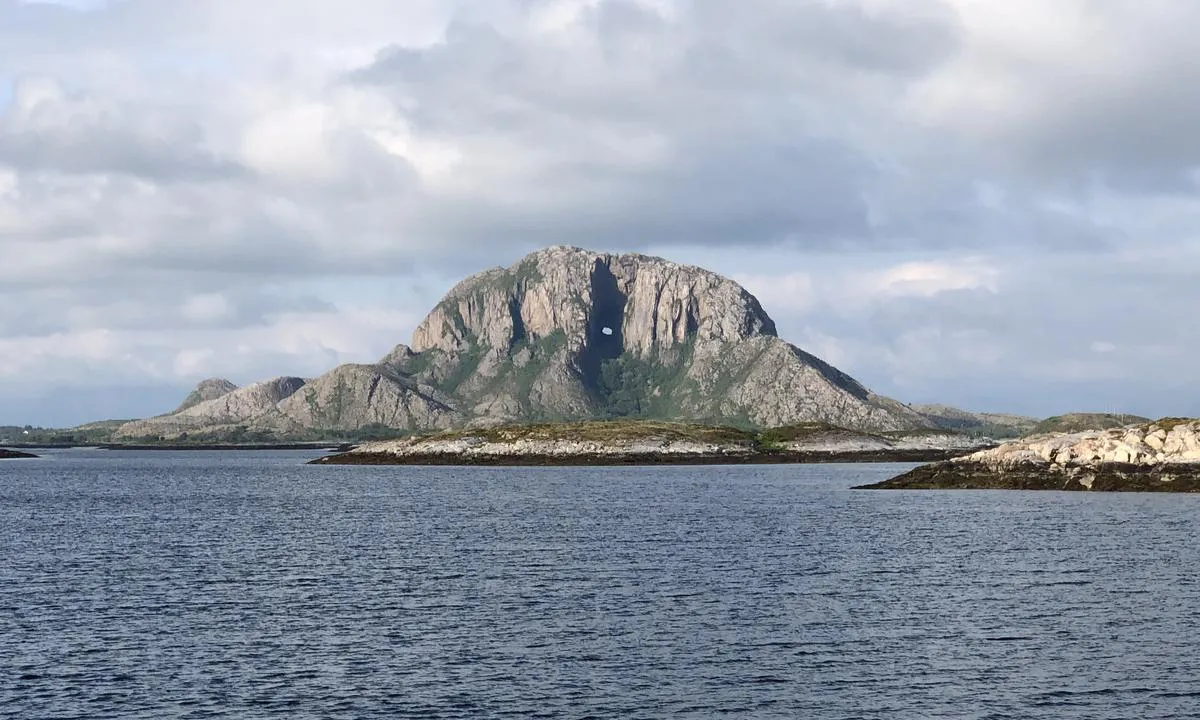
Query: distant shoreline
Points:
[341, 447]
[637, 459]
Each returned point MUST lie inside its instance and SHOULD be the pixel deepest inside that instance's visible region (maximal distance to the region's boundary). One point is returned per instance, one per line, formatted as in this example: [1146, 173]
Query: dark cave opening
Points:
[518, 323]
[604, 335]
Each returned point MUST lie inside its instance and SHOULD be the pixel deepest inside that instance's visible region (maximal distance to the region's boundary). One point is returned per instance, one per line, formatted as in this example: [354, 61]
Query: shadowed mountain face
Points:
[569, 334]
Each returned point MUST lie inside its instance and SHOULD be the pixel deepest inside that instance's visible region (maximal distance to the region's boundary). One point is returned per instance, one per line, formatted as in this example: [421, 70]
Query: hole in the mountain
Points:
[606, 316]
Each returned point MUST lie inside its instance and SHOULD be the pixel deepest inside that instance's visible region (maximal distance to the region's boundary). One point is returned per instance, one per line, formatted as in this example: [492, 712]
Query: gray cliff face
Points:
[649, 305]
[569, 334]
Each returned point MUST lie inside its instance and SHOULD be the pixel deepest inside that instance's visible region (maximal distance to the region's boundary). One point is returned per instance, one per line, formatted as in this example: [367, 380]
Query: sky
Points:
[986, 204]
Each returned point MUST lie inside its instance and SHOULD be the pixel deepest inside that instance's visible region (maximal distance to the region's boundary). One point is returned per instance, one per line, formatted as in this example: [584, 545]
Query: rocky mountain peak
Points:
[602, 304]
[572, 333]
[206, 390]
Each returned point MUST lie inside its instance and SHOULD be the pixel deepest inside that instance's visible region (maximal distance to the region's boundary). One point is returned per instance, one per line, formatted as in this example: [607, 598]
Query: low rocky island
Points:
[15, 455]
[627, 442]
[1162, 456]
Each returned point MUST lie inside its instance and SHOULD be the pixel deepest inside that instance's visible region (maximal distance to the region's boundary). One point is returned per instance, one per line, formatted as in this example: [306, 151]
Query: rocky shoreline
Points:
[637, 458]
[1110, 477]
[180, 447]
[15, 455]
[651, 443]
[1162, 456]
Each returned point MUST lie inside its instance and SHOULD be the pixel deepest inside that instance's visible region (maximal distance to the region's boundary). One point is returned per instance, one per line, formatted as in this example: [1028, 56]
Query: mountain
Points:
[1081, 422]
[993, 425]
[210, 389]
[569, 334]
[237, 407]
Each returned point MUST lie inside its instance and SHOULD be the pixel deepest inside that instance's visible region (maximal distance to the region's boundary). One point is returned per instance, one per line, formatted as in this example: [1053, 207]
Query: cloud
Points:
[1016, 333]
[793, 292]
[303, 343]
[707, 127]
[926, 279]
[1074, 90]
[45, 130]
[933, 193]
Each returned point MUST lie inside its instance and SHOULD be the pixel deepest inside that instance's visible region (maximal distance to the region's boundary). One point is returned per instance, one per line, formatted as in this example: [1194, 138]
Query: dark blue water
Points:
[204, 585]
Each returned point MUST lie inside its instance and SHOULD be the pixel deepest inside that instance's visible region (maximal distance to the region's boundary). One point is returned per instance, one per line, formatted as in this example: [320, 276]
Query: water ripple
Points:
[251, 586]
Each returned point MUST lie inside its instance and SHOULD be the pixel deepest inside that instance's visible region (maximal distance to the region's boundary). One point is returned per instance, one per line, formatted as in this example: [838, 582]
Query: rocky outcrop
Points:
[210, 389]
[646, 442]
[840, 440]
[353, 397]
[240, 406]
[475, 449]
[569, 334]
[1161, 456]
[15, 455]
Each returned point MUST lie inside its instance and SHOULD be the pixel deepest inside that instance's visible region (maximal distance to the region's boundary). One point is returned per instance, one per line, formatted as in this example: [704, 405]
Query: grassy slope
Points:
[993, 425]
[1079, 422]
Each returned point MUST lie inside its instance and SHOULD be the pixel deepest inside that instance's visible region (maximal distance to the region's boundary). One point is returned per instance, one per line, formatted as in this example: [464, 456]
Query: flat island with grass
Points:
[15, 455]
[642, 442]
[1159, 456]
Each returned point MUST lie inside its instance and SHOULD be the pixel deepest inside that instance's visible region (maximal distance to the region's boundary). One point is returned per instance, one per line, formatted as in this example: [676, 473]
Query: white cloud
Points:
[793, 292]
[207, 308]
[191, 363]
[292, 143]
[926, 279]
[291, 343]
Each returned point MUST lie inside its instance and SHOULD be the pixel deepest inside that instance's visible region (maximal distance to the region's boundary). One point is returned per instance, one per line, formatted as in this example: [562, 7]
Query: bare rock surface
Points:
[1156, 456]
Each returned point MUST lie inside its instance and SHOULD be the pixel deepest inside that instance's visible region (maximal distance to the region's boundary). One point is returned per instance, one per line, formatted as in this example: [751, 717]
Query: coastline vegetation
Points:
[1080, 422]
[608, 430]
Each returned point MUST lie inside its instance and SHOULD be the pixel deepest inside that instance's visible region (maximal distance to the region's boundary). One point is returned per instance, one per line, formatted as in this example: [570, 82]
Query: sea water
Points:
[250, 585]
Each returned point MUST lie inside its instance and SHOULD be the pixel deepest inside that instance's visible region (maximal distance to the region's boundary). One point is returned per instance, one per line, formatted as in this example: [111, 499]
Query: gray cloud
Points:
[47, 131]
[717, 128]
[990, 206]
